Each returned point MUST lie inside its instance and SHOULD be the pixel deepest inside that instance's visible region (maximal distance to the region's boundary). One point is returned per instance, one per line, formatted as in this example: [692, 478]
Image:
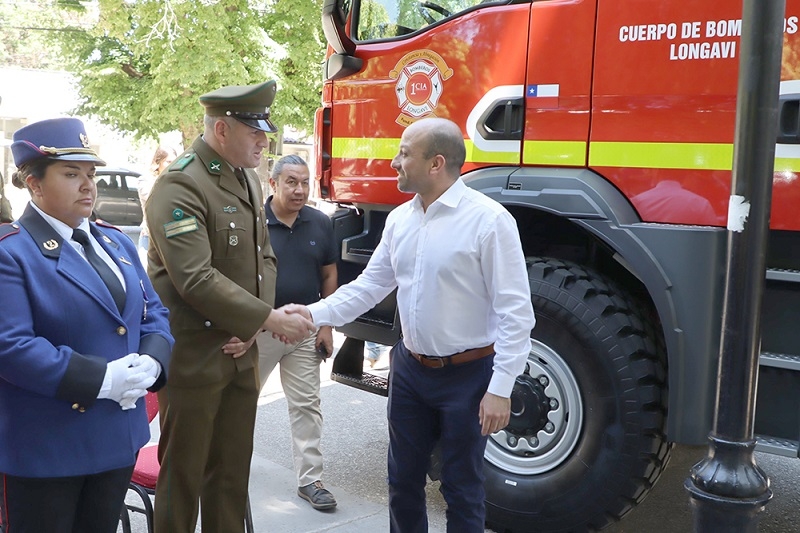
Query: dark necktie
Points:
[100, 266]
[239, 173]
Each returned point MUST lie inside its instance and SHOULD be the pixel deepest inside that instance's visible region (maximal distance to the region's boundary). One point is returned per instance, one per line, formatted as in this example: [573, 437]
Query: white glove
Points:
[115, 381]
[145, 371]
[130, 398]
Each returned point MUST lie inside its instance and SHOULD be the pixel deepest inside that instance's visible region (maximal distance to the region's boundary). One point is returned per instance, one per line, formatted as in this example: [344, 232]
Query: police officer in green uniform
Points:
[211, 263]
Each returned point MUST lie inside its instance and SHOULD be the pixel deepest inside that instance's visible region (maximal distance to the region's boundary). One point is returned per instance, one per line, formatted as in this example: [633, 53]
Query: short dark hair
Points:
[36, 168]
[292, 159]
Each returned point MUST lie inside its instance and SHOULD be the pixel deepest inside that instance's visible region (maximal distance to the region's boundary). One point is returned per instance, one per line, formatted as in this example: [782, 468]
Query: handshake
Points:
[128, 378]
[290, 323]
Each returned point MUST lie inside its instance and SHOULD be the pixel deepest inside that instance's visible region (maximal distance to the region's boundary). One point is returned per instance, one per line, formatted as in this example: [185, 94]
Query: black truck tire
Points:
[586, 440]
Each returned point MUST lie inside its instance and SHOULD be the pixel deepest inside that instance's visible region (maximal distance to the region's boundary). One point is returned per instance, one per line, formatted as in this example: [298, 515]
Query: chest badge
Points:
[233, 240]
[229, 209]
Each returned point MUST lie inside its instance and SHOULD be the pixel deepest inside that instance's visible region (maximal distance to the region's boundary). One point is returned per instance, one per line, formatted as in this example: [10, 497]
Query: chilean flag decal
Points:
[542, 96]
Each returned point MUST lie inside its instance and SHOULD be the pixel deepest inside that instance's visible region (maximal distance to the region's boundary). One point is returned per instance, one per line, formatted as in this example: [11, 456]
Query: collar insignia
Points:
[52, 244]
[215, 166]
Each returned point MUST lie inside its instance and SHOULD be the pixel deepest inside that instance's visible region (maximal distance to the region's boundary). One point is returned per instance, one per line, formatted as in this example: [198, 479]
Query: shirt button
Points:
[207, 323]
[121, 331]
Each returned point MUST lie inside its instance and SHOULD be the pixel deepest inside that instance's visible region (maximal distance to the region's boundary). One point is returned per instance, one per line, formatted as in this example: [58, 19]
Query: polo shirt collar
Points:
[273, 219]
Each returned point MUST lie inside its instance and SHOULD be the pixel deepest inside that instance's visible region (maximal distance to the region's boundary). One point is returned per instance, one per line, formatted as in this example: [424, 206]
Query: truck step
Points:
[777, 446]
[366, 382]
[783, 274]
[780, 360]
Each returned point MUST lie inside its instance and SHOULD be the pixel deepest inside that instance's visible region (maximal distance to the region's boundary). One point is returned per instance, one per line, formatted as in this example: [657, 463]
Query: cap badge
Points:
[84, 140]
[229, 209]
[52, 244]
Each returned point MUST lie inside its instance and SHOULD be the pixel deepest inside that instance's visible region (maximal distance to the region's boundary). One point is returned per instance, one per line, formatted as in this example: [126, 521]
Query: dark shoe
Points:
[317, 495]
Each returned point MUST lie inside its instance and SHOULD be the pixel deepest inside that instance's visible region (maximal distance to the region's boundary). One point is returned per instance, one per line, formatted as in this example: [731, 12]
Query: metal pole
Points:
[727, 489]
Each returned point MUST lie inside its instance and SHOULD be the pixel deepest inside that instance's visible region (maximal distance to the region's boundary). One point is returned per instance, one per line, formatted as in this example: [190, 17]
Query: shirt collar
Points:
[273, 219]
[62, 229]
[450, 198]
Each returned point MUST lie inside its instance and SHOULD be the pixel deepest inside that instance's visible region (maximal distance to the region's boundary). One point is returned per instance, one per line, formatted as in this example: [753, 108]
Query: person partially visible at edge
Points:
[162, 158]
[302, 238]
[455, 257]
[5, 205]
[83, 338]
[211, 262]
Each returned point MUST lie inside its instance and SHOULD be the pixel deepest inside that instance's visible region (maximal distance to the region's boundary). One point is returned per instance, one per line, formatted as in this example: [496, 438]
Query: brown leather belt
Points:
[455, 359]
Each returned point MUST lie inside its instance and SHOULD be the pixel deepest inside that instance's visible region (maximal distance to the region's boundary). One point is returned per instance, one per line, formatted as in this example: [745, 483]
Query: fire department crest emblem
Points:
[420, 79]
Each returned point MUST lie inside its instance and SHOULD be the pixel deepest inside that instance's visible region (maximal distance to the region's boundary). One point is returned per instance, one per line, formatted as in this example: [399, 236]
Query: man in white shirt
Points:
[455, 257]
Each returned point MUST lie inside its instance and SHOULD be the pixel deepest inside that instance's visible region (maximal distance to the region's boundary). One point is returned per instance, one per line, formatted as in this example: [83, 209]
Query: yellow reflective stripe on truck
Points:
[699, 156]
[688, 156]
[555, 153]
[362, 148]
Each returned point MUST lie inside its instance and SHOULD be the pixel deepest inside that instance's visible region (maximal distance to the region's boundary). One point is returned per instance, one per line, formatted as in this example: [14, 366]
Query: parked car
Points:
[117, 196]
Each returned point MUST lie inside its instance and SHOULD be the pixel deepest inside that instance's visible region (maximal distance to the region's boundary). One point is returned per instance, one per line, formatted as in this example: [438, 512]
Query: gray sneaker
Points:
[317, 495]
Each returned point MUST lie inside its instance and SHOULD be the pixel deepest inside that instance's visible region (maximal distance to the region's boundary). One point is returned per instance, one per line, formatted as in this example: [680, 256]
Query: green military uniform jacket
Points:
[210, 261]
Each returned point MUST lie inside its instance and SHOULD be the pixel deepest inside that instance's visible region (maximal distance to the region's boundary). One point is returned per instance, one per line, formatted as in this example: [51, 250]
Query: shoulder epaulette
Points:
[107, 225]
[8, 229]
[181, 163]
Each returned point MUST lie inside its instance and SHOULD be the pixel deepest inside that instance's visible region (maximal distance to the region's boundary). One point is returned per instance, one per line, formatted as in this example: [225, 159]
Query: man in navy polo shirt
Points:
[302, 239]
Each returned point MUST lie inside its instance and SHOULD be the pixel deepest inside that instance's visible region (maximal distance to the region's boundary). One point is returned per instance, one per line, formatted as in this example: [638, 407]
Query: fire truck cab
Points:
[606, 129]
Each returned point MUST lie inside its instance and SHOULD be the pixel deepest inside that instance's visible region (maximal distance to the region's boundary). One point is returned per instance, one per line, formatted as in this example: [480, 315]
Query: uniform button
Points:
[258, 219]
[259, 248]
[82, 410]
[259, 277]
[233, 225]
[75, 406]
[121, 331]
[207, 323]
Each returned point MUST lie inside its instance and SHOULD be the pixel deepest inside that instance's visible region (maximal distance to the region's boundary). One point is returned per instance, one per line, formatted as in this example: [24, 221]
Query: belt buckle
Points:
[436, 362]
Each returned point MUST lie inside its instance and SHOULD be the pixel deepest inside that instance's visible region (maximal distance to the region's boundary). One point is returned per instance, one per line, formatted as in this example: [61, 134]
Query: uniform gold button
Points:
[75, 406]
[207, 323]
[121, 330]
[82, 410]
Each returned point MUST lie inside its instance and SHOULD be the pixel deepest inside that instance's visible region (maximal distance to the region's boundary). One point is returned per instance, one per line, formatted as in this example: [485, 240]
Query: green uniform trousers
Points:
[205, 449]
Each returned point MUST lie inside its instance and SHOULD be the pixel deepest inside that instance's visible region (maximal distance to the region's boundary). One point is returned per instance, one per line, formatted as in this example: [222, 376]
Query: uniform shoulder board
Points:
[181, 163]
[107, 225]
[8, 229]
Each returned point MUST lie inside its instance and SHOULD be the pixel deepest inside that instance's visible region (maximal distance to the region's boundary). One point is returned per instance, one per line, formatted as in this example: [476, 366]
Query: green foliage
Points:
[142, 65]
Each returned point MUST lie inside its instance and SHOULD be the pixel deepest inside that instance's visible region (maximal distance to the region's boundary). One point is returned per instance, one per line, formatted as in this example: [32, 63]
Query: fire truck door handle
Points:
[789, 119]
[503, 120]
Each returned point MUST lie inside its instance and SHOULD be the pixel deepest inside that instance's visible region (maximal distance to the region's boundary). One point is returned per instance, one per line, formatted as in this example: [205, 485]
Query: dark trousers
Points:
[427, 405]
[78, 504]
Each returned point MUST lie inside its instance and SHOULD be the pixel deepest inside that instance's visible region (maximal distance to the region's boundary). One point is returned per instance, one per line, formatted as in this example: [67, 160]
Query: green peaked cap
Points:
[248, 104]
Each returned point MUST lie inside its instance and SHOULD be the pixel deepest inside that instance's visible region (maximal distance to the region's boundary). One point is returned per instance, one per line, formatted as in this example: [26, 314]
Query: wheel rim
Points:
[546, 416]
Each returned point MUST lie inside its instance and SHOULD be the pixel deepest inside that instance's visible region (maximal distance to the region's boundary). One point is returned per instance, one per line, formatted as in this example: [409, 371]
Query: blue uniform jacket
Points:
[59, 328]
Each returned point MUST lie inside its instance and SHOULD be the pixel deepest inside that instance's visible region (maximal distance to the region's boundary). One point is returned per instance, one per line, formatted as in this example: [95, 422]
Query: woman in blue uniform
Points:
[83, 336]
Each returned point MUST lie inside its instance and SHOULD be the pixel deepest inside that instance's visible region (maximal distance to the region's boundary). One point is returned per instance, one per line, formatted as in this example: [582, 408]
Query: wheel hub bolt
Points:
[512, 441]
[534, 442]
[553, 403]
[549, 427]
[544, 381]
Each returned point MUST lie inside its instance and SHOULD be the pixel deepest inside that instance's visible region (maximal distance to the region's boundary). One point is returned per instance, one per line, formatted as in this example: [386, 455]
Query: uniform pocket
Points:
[231, 231]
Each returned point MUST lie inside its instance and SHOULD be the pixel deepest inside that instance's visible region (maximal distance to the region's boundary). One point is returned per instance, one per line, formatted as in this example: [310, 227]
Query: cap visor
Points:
[80, 157]
[259, 124]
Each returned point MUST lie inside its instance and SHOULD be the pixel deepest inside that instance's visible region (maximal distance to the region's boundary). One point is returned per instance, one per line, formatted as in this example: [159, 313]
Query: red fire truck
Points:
[606, 129]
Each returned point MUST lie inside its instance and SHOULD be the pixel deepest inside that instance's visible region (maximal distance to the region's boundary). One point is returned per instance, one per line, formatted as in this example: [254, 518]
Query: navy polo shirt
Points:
[302, 251]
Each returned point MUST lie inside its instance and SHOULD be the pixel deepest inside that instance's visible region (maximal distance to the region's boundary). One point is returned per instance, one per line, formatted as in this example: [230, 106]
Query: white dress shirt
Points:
[461, 281]
[66, 233]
